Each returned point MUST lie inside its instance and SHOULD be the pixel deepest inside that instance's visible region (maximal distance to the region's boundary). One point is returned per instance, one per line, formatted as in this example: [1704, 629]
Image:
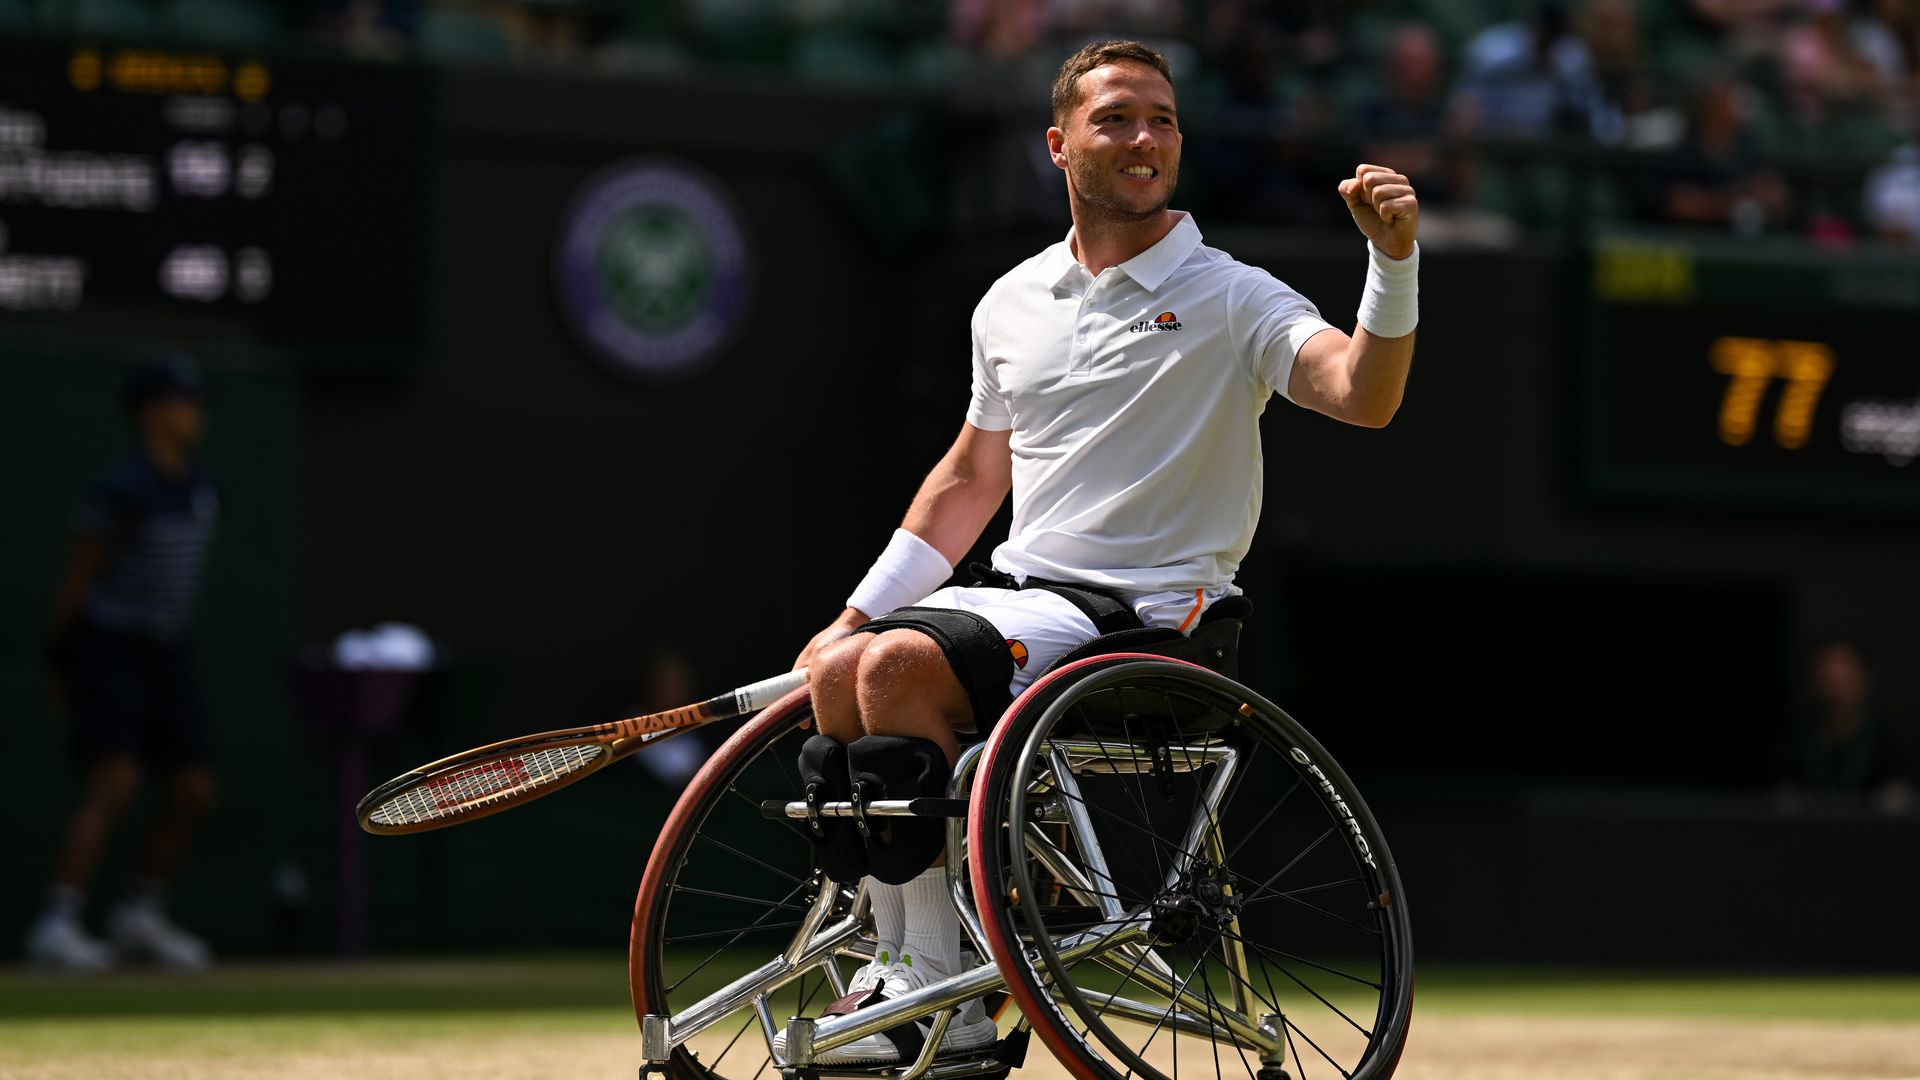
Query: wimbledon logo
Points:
[652, 269]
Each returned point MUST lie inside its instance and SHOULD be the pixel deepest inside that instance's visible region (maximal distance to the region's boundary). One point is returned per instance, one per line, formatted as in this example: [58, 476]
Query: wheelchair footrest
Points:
[928, 808]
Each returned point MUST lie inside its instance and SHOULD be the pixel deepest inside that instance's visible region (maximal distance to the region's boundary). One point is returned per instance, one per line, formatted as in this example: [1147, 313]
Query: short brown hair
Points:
[1066, 85]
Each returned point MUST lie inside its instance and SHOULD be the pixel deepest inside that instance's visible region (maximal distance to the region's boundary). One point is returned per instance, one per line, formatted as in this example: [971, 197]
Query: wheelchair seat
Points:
[1214, 644]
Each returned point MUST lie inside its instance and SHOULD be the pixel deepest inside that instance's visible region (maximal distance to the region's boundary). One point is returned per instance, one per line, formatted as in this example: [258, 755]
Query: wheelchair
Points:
[1161, 871]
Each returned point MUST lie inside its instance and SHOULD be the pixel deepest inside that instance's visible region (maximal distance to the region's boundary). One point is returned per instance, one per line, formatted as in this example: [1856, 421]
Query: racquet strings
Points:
[476, 787]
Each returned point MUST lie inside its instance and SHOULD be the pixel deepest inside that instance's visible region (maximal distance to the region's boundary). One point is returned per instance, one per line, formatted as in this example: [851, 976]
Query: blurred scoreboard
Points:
[1738, 374]
[194, 197]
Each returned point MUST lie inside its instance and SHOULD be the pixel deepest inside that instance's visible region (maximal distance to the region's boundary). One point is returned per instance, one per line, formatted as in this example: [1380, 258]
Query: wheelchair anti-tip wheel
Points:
[1173, 876]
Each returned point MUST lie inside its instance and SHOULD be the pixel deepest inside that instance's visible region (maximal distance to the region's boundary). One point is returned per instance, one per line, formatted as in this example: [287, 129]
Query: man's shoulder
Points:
[1220, 269]
[1042, 268]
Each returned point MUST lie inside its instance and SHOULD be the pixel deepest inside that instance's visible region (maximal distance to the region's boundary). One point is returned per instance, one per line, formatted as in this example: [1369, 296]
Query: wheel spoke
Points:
[744, 931]
[1317, 996]
[1196, 864]
[1235, 976]
[1138, 804]
[1308, 1039]
[1282, 954]
[1267, 885]
[798, 830]
[754, 900]
[1264, 818]
[769, 867]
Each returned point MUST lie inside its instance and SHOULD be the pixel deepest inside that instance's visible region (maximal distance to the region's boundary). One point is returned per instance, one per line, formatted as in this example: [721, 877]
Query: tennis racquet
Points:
[500, 775]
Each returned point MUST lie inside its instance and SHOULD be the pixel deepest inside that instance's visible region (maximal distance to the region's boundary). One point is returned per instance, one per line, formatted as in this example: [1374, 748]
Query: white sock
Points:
[889, 919]
[66, 901]
[932, 941]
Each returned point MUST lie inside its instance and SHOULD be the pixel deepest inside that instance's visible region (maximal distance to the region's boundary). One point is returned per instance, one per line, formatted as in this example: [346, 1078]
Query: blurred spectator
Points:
[1825, 77]
[1887, 37]
[121, 668]
[670, 683]
[1893, 196]
[1005, 29]
[1841, 746]
[1241, 52]
[1530, 78]
[1405, 125]
[1633, 110]
[1742, 29]
[1719, 178]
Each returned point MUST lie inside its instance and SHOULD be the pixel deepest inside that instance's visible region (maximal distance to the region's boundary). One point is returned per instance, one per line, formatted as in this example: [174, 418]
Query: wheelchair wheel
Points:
[724, 897]
[1174, 876]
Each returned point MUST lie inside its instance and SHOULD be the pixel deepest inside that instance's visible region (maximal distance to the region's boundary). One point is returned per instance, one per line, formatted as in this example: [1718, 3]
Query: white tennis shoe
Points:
[971, 1028]
[60, 943]
[143, 932]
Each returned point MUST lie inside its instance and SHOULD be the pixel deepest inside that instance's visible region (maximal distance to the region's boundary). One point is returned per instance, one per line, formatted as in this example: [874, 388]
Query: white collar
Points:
[1152, 267]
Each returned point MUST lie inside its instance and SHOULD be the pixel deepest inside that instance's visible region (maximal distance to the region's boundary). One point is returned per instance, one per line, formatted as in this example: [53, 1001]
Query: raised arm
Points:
[1360, 379]
[949, 512]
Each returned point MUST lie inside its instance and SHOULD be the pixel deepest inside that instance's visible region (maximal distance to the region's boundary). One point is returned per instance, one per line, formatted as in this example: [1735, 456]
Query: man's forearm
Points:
[1378, 368]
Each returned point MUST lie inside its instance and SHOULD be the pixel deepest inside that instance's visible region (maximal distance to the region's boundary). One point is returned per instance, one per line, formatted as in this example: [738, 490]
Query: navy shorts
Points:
[135, 695]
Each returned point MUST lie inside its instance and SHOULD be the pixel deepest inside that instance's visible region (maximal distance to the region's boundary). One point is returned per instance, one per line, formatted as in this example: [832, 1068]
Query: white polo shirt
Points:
[1134, 400]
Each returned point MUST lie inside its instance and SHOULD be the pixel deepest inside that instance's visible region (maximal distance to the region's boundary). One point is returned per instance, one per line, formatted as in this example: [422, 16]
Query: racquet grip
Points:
[749, 698]
[756, 696]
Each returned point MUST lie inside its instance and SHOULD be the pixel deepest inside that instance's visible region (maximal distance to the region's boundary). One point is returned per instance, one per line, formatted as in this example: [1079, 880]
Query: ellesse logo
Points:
[1166, 320]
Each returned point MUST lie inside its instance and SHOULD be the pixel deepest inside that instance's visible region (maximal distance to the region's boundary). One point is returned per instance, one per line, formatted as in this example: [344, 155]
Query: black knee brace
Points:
[823, 778]
[900, 767]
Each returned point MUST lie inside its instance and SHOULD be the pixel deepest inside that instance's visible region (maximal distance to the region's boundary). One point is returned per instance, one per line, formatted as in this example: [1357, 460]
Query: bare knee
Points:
[832, 678]
[905, 682]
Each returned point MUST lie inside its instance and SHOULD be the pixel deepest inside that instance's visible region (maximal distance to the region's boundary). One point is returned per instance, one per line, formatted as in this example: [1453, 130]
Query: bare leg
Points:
[906, 688]
[189, 795]
[111, 784]
[832, 678]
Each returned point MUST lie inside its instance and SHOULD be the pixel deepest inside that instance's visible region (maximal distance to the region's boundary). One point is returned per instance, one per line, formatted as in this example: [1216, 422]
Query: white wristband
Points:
[906, 571]
[1390, 304]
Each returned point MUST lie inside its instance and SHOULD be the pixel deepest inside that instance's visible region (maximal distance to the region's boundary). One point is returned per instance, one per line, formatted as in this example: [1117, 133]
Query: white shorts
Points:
[1041, 626]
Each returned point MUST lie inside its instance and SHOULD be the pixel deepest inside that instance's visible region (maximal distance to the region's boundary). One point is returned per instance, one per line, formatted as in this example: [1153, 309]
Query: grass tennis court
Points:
[568, 1017]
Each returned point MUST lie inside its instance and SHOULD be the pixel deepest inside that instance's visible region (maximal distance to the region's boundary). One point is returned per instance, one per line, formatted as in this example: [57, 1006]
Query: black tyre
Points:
[1217, 833]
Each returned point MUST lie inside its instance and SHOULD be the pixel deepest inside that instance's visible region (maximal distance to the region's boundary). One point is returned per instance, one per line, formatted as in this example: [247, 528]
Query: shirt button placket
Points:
[1082, 355]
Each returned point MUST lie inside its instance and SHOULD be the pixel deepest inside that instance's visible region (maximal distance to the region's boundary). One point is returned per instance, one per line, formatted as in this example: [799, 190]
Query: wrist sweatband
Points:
[906, 571]
[1390, 304]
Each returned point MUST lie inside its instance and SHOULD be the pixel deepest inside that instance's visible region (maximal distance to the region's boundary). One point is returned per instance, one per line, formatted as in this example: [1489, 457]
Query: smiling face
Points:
[1119, 143]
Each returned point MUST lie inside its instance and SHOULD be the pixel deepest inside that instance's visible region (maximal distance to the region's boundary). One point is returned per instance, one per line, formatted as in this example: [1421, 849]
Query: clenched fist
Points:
[1385, 208]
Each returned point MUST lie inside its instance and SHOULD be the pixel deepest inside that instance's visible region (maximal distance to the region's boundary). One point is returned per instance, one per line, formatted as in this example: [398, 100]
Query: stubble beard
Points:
[1100, 201]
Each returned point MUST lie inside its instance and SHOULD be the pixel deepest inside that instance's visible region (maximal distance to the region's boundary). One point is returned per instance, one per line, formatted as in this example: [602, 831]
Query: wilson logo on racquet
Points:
[1166, 320]
[494, 776]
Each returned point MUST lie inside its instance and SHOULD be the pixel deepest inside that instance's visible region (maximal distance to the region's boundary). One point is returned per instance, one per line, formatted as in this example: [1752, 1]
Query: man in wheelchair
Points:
[1118, 381]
